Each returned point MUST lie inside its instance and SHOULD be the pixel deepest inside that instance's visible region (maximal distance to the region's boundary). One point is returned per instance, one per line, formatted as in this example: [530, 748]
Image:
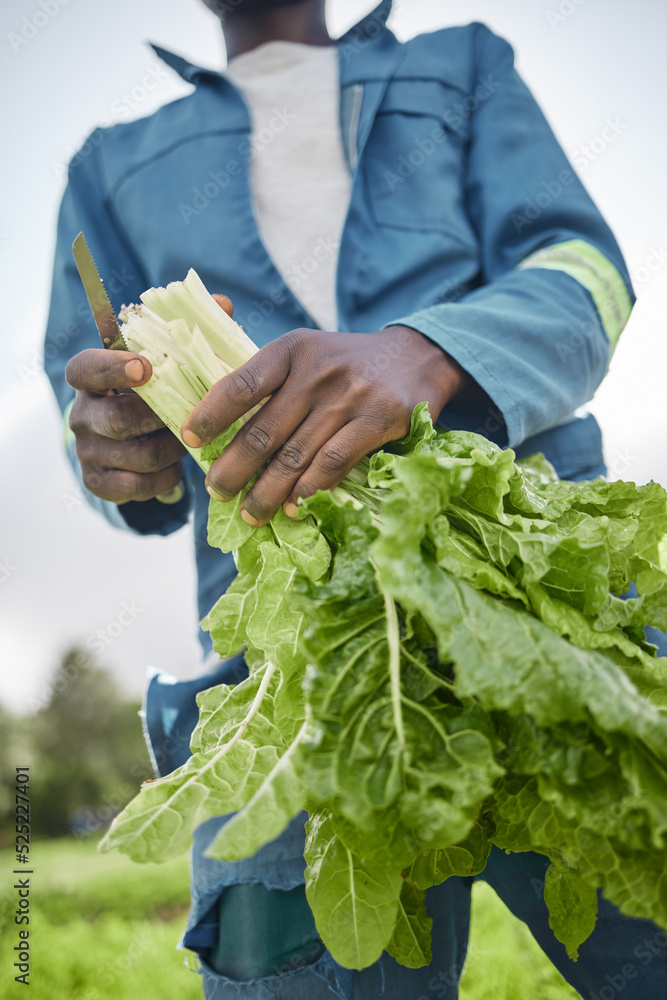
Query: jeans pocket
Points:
[262, 932]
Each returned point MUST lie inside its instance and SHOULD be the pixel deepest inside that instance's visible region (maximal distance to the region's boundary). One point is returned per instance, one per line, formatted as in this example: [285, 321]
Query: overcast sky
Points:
[68, 65]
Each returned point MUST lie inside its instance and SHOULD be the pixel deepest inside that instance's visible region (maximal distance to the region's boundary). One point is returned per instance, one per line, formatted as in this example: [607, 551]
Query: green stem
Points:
[343, 494]
[394, 643]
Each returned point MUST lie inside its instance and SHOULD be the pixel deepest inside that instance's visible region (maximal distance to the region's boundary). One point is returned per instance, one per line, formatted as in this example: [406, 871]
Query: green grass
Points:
[104, 928]
[504, 961]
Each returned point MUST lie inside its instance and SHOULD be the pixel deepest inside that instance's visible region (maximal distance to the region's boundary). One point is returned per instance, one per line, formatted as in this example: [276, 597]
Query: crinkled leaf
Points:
[274, 624]
[158, 823]
[433, 867]
[226, 528]
[303, 543]
[279, 798]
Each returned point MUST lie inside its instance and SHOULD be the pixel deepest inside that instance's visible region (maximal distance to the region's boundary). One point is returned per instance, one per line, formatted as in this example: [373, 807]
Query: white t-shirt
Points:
[298, 173]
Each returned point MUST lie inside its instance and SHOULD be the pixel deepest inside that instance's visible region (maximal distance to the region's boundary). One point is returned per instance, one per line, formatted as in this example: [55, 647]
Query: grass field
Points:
[103, 928]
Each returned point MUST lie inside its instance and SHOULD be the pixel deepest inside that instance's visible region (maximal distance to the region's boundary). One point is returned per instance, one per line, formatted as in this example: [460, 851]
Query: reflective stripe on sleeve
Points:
[596, 273]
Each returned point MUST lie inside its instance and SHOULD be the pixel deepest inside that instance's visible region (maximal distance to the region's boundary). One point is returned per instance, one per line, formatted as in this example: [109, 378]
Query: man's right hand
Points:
[125, 450]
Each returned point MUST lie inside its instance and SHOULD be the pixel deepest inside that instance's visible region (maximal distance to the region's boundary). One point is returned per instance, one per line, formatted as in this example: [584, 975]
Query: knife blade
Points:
[106, 322]
[98, 300]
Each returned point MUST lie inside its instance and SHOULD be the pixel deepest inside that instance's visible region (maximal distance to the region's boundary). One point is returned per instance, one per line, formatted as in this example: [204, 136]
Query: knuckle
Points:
[361, 387]
[215, 481]
[143, 424]
[77, 415]
[205, 423]
[296, 339]
[120, 422]
[129, 486]
[244, 385]
[258, 507]
[150, 455]
[85, 450]
[86, 369]
[333, 458]
[257, 440]
[93, 479]
[138, 487]
[117, 455]
[387, 416]
[117, 428]
[290, 459]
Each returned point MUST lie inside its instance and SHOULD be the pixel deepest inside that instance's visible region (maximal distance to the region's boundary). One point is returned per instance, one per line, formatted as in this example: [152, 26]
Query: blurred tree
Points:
[15, 751]
[86, 749]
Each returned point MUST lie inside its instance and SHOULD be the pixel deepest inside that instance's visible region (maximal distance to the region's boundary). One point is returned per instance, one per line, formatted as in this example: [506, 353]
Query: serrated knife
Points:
[98, 300]
[106, 322]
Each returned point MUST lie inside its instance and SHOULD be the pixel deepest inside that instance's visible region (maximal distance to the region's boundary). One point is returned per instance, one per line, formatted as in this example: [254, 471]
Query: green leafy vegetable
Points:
[440, 661]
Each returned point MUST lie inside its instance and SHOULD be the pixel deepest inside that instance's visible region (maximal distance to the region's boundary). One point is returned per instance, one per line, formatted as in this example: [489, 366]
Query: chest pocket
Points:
[415, 159]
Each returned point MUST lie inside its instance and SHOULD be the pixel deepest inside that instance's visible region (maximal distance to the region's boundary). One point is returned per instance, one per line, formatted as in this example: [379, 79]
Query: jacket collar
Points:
[354, 42]
[369, 25]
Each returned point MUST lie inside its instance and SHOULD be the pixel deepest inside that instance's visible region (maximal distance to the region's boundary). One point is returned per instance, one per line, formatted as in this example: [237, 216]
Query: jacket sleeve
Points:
[71, 328]
[554, 292]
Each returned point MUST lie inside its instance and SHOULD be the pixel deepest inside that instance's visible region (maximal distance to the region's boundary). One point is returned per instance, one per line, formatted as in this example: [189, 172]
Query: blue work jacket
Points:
[466, 222]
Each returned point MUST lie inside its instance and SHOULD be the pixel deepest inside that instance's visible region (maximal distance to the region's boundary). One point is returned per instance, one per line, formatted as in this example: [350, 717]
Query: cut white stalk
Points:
[191, 344]
[190, 300]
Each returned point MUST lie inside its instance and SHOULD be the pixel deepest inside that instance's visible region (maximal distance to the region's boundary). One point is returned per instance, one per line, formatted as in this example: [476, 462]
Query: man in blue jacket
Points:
[395, 222]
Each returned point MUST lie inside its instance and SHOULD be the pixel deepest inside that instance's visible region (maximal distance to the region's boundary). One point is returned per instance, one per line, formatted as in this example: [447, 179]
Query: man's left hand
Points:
[335, 397]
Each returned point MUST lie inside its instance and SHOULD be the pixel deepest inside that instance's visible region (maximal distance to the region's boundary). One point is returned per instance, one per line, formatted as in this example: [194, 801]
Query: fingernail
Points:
[291, 510]
[173, 496]
[249, 519]
[190, 438]
[224, 498]
[134, 370]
